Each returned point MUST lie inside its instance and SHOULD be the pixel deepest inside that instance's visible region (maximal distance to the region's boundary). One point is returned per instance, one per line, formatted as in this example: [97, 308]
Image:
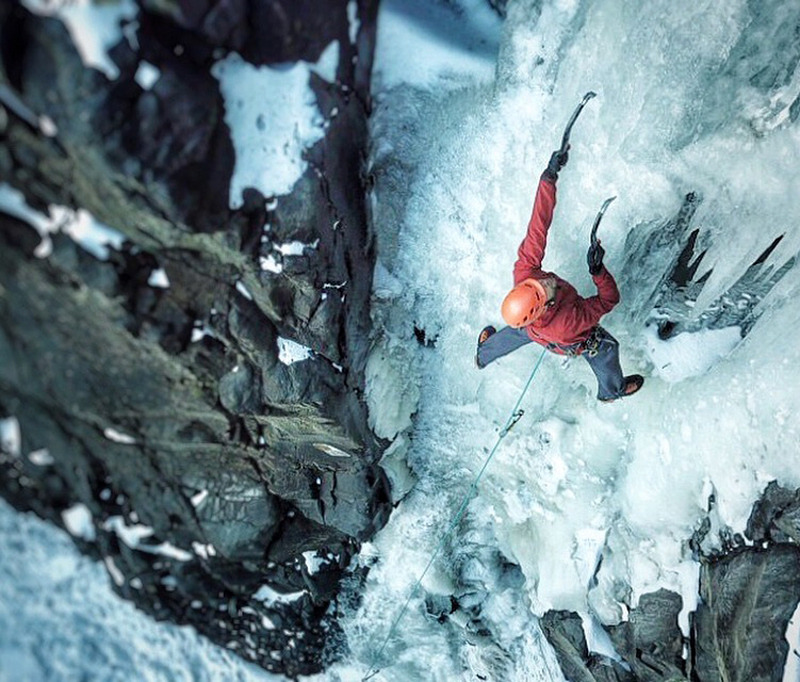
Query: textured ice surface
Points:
[689, 354]
[456, 170]
[692, 96]
[435, 44]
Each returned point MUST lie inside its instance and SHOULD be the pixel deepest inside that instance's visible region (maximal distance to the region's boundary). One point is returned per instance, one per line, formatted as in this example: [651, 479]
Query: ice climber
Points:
[546, 309]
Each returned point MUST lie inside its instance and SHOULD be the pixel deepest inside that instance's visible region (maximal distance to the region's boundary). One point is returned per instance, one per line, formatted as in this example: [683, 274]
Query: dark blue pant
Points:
[604, 363]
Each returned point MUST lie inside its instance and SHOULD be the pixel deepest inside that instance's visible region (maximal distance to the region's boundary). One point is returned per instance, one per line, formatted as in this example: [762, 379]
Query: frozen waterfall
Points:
[586, 506]
[693, 99]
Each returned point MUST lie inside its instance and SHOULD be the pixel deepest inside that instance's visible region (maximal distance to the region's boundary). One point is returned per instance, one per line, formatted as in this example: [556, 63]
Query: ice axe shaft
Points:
[573, 118]
[599, 217]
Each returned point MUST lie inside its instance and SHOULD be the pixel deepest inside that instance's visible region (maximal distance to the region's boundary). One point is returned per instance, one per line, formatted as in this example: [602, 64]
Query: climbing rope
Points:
[516, 415]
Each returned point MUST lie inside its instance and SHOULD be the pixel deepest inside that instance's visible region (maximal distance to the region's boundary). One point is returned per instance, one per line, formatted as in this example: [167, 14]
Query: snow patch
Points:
[331, 450]
[354, 23]
[204, 550]
[158, 279]
[92, 235]
[295, 248]
[13, 202]
[118, 436]
[41, 457]
[200, 330]
[243, 290]
[114, 572]
[199, 498]
[167, 549]
[147, 75]
[11, 436]
[130, 535]
[47, 126]
[273, 117]
[270, 597]
[94, 27]
[78, 521]
[313, 561]
[269, 264]
[690, 354]
[290, 351]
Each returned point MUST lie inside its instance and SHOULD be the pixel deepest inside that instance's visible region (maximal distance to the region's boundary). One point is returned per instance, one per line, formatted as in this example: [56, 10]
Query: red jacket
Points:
[570, 319]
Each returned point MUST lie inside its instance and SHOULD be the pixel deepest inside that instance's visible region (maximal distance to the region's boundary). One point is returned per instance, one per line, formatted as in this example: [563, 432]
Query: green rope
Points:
[516, 415]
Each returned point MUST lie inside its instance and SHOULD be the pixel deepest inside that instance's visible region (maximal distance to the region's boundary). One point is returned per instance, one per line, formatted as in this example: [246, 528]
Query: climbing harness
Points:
[592, 343]
[516, 415]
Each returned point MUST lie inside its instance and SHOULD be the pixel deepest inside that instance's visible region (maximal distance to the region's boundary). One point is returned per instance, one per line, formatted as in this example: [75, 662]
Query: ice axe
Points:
[599, 217]
[573, 118]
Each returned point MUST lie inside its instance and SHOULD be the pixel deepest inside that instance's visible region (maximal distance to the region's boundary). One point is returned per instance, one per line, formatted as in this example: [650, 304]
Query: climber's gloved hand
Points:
[557, 161]
[595, 258]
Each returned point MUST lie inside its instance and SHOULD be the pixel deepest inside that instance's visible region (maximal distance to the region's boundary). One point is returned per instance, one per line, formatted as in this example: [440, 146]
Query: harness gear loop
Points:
[592, 344]
[516, 415]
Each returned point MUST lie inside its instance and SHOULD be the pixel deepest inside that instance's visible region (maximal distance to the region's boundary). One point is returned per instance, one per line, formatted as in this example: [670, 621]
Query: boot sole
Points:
[636, 389]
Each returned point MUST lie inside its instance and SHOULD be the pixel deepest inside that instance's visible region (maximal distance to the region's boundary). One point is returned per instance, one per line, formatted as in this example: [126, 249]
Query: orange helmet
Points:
[524, 303]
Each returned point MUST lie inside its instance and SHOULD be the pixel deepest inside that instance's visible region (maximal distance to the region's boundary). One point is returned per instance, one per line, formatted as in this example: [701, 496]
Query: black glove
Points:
[557, 162]
[595, 258]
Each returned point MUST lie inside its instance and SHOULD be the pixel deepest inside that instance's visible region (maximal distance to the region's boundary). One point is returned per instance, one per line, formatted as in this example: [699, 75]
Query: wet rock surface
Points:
[748, 598]
[749, 590]
[209, 468]
[564, 631]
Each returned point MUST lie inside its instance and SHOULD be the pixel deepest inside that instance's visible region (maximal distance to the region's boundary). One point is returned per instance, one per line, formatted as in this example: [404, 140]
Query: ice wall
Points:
[691, 98]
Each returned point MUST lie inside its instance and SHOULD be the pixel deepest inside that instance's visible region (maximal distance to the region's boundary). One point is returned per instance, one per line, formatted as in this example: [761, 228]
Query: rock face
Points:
[739, 629]
[209, 467]
[649, 644]
[564, 631]
[749, 591]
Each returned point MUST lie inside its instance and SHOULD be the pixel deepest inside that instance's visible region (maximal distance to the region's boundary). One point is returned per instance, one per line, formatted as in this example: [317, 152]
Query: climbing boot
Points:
[486, 332]
[633, 383]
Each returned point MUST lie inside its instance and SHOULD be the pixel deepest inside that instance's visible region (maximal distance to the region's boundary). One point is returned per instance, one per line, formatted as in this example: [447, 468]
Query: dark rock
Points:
[651, 641]
[567, 628]
[262, 31]
[776, 516]
[604, 669]
[748, 598]
[238, 462]
[19, 235]
[564, 631]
